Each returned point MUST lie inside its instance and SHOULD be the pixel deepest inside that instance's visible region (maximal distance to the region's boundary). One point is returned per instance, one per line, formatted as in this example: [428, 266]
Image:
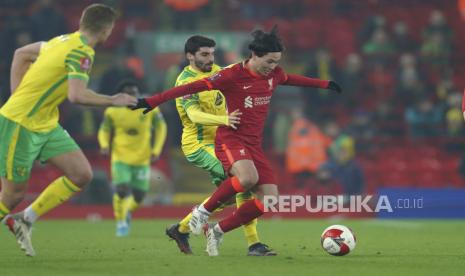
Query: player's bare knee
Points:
[248, 180]
[81, 177]
[12, 198]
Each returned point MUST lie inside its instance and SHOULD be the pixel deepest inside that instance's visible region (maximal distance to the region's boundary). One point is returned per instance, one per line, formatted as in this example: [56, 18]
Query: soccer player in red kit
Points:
[248, 87]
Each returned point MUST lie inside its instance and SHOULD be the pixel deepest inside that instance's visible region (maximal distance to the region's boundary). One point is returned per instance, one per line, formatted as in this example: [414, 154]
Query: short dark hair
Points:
[264, 43]
[96, 17]
[122, 85]
[194, 43]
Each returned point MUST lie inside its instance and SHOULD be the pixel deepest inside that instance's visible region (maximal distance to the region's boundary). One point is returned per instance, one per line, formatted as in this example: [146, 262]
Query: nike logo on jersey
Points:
[247, 86]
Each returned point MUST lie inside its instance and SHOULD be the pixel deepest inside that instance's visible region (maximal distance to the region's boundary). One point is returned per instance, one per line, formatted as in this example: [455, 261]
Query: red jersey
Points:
[251, 94]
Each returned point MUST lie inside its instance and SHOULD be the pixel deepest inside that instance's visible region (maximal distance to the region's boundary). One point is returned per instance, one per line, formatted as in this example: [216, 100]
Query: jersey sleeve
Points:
[220, 81]
[197, 116]
[104, 131]
[78, 63]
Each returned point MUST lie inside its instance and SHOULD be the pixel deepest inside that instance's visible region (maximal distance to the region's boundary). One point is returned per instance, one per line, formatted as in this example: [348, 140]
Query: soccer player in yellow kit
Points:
[128, 135]
[200, 115]
[43, 75]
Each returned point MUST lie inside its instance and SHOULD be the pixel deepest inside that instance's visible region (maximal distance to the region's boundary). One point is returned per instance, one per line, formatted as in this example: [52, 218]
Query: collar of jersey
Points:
[253, 74]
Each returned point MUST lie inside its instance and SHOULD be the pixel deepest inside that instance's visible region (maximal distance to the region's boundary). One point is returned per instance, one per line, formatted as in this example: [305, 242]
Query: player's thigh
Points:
[140, 178]
[205, 158]
[121, 173]
[266, 173]
[74, 166]
[62, 151]
[237, 161]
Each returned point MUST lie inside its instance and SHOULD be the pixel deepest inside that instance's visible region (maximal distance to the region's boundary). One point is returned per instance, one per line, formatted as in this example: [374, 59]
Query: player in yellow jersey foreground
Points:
[43, 75]
[127, 134]
[200, 115]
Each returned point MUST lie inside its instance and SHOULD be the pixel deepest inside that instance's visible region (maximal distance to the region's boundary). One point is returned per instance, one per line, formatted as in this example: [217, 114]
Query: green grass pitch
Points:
[384, 247]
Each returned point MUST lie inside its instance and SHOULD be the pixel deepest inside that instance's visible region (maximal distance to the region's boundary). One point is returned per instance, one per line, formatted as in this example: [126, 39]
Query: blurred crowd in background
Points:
[400, 64]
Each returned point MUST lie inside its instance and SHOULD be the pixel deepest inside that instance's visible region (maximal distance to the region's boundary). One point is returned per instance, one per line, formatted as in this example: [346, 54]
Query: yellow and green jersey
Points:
[131, 131]
[195, 136]
[34, 104]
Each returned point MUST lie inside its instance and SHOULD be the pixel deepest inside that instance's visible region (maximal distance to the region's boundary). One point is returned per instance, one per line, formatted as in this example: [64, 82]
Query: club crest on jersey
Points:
[270, 84]
[219, 99]
[85, 64]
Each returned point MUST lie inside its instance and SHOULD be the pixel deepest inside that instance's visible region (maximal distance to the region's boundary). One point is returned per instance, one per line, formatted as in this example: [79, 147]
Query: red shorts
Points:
[229, 152]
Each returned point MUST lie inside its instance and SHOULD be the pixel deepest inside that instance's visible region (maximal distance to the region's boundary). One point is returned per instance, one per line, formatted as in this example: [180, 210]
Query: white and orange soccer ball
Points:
[338, 240]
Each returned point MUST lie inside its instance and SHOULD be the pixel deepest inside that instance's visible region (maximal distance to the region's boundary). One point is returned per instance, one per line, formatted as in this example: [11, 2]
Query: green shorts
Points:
[20, 147]
[137, 177]
[205, 158]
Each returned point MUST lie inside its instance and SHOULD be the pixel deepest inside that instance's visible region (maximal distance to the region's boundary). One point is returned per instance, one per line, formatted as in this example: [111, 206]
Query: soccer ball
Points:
[338, 240]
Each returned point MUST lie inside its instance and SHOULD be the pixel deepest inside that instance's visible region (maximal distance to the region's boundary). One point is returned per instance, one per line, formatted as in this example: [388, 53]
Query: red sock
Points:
[244, 214]
[223, 193]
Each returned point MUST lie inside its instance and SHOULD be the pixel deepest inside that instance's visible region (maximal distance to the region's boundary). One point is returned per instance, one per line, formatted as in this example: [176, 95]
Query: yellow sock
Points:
[184, 224]
[57, 192]
[3, 211]
[250, 229]
[131, 204]
[118, 207]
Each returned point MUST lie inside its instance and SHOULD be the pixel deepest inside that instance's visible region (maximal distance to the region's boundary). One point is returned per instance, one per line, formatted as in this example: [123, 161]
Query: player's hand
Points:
[234, 118]
[123, 99]
[142, 103]
[105, 151]
[332, 85]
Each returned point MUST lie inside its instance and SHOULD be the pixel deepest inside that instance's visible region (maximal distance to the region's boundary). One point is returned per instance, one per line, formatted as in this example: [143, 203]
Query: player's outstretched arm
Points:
[191, 88]
[22, 59]
[79, 93]
[297, 80]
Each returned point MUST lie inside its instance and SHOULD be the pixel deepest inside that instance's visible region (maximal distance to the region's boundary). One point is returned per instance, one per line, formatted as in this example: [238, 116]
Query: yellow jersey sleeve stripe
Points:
[70, 68]
[45, 96]
[84, 54]
[75, 65]
[78, 55]
[75, 57]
